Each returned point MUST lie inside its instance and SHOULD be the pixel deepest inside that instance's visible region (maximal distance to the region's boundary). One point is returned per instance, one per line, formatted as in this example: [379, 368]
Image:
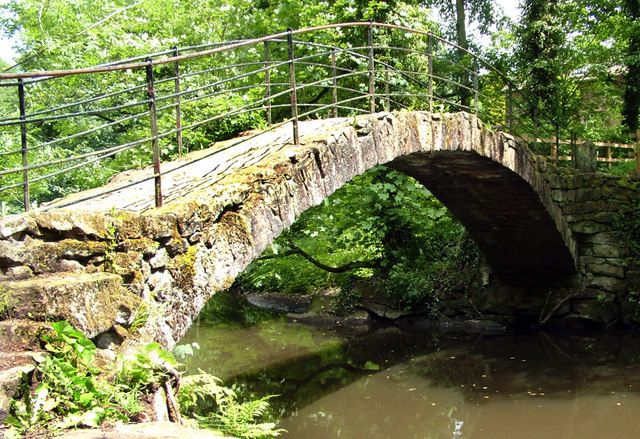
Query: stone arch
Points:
[184, 252]
[495, 185]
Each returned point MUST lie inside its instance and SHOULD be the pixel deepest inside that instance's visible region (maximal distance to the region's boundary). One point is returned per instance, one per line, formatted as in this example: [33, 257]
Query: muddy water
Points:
[388, 383]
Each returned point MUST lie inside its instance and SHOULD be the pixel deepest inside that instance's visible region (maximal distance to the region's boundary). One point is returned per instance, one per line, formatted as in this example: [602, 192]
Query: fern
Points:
[239, 419]
[216, 407]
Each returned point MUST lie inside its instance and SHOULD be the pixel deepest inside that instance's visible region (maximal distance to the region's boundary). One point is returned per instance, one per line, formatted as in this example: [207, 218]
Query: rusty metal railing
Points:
[139, 111]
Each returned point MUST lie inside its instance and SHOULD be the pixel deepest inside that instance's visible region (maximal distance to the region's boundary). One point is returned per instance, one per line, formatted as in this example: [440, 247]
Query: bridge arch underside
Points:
[500, 210]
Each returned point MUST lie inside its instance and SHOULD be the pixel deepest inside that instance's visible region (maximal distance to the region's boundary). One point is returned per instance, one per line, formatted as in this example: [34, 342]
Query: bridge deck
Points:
[194, 171]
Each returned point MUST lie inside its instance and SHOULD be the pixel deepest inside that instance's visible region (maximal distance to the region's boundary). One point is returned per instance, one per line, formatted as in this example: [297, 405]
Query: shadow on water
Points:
[385, 382]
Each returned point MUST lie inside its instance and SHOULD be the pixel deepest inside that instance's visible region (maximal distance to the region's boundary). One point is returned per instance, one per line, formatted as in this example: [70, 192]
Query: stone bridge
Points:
[109, 260]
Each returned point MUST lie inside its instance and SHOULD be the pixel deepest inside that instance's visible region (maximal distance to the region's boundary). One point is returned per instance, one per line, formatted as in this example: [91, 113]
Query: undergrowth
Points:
[67, 390]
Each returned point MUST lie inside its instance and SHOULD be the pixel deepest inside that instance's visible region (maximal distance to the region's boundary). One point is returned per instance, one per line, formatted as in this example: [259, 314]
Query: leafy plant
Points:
[67, 390]
[217, 407]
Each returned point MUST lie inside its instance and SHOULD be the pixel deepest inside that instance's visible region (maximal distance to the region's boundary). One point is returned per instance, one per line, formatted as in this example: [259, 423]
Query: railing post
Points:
[372, 77]
[609, 156]
[334, 92]
[292, 90]
[387, 99]
[430, 72]
[155, 144]
[475, 87]
[25, 146]
[267, 80]
[176, 72]
[510, 108]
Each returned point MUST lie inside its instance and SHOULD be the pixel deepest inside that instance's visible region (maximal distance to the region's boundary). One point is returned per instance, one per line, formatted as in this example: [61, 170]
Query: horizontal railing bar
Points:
[95, 112]
[65, 170]
[597, 144]
[114, 150]
[254, 41]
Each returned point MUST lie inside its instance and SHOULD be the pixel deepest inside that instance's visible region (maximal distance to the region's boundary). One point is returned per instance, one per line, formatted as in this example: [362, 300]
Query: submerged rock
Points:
[297, 304]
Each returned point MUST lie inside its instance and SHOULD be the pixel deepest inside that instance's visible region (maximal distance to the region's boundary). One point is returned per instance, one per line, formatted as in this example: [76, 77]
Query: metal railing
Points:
[70, 125]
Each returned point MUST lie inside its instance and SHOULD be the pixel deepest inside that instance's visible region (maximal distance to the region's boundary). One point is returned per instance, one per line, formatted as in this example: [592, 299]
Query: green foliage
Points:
[144, 367]
[347, 299]
[569, 59]
[627, 222]
[383, 217]
[67, 390]
[410, 290]
[217, 407]
[7, 303]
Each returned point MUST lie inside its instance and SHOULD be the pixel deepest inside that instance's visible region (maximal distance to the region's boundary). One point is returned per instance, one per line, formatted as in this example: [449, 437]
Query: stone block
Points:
[607, 283]
[606, 270]
[609, 251]
[13, 225]
[90, 302]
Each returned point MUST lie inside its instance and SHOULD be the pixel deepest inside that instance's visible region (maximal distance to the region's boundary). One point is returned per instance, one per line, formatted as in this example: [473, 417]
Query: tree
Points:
[456, 15]
[541, 38]
[631, 109]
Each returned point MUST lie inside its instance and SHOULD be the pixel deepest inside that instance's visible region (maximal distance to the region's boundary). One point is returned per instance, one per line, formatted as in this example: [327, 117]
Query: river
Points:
[383, 382]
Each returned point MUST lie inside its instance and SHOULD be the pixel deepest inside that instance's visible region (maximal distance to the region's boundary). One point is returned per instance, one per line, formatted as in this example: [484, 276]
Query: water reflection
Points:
[393, 384]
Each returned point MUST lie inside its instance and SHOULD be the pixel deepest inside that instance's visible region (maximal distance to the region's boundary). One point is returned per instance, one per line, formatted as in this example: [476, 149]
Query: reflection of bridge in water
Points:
[218, 208]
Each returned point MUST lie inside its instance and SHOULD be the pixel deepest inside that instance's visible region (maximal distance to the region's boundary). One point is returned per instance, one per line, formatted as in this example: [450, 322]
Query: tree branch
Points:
[295, 250]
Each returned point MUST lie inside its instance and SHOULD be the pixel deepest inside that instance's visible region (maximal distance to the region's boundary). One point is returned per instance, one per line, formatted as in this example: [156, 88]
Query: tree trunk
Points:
[461, 38]
[631, 109]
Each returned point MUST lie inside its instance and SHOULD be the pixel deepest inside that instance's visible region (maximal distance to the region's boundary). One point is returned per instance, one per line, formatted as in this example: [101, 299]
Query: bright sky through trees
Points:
[7, 53]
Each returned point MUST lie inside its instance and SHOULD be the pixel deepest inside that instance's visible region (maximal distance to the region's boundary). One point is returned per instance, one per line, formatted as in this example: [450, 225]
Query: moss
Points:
[158, 224]
[81, 223]
[128, 225]
[7, 303]
[43, 257]
[183, 267]
[126, 264]
[139, 245]
[92, 302]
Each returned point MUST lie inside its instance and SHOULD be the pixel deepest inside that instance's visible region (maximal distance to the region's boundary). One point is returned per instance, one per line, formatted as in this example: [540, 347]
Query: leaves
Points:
[382, 225]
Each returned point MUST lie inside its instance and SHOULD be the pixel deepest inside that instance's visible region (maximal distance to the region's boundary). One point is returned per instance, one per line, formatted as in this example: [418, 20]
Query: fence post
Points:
[267, 80]
[334, 93]
[25, 146]
[475, 86]
[372, 77]
[176, 71]
[155, 144]
[510, 108]
[292, 87]
[430, 71]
